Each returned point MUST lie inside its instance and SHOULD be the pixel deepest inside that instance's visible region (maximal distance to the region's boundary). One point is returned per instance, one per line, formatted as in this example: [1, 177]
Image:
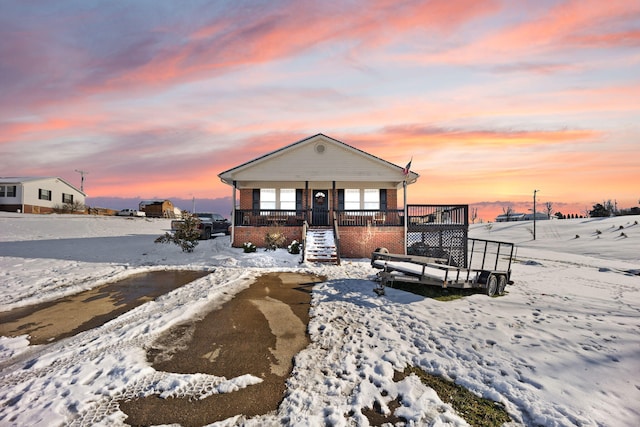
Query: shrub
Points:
[186, 236]
[274, 240]
[248, 247]
[74, 207]
[294, 247]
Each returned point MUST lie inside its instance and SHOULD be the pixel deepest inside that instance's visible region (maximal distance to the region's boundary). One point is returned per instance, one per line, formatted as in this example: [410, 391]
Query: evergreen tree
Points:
[186, 236]
[599, 211]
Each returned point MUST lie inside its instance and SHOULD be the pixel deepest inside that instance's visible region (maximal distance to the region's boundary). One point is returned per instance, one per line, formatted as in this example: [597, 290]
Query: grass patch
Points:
[477, 411]
[435, 292]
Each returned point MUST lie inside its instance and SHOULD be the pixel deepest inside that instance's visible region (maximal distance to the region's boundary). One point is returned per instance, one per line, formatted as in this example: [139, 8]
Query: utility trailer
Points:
[488, 268]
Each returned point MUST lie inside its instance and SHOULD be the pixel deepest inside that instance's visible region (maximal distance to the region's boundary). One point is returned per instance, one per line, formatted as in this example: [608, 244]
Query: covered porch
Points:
[320, 182]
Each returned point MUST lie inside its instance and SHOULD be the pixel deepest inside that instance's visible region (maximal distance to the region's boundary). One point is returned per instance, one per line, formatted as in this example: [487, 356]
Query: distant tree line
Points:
[560, 215]
[608, 208]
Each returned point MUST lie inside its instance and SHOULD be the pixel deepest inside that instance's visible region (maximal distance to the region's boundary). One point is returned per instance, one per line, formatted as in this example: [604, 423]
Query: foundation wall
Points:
[359, 242]
[256, 235]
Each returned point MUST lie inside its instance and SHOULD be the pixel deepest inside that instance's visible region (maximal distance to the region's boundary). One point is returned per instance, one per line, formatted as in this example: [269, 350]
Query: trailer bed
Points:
[490, 276]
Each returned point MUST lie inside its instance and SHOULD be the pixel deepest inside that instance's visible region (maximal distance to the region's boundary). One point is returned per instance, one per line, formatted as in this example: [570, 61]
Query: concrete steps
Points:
[321, 246]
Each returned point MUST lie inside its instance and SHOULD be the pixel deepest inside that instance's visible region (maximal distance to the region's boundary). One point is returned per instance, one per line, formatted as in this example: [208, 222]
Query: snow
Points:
[561, 348]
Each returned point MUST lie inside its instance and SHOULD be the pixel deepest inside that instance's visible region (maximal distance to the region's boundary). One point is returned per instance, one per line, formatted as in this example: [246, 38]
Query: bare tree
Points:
[508, 212]
[549, 207]
[474, 215]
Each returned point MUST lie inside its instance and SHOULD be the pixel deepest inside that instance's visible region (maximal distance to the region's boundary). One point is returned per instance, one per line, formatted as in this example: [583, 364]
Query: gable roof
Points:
[29, 179]
[317, 158]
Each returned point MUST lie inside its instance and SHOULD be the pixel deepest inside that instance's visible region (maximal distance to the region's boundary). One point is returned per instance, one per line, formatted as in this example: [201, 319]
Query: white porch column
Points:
[233, 214]
[406, 218]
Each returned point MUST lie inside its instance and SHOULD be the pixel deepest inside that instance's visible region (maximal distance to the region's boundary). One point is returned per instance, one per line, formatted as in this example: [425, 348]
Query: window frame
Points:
[44, 194]
[367, 199]
[276, 201]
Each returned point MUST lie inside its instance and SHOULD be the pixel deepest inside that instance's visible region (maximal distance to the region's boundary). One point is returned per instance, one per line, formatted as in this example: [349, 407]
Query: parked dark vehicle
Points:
[208, 224]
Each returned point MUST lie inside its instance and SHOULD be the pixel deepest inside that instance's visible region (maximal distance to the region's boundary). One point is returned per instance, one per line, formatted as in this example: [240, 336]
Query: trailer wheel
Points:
[382, 250]
[492, 285]
[502, 284]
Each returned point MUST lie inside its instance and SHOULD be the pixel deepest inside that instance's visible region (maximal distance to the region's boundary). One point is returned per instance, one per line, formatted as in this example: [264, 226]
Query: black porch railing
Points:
[421, 217]
[319, 217]
[269, 217]
[437, 216]
[370, 217]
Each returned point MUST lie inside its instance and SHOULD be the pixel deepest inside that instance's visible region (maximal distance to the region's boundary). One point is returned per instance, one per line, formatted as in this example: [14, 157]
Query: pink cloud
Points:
[585, 24]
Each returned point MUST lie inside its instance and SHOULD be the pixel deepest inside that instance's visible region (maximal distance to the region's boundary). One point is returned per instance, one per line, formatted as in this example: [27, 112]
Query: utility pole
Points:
[534, 213]
[82, 174]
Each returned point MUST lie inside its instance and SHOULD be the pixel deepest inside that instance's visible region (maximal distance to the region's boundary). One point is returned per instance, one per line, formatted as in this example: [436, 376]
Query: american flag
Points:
[407, 168]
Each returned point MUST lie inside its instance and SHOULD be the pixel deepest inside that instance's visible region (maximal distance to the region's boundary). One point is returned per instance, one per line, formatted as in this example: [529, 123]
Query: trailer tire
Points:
[492, 285]
[382, 250]
[502, 284]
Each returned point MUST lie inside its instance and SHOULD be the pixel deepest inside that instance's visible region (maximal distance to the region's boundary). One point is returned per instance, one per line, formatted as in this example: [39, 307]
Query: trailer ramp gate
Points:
[488, 268]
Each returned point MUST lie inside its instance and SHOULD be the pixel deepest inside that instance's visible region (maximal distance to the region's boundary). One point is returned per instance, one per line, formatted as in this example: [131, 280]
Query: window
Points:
[351, 199]
[284, 198]
[67, 198]
[355, 199]
[288, 198]
[267, 198]
[7, 191]
[372, 198]
[44, 194]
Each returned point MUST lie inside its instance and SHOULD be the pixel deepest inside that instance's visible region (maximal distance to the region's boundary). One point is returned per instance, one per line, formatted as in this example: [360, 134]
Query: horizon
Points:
[487, 211]
[492, 100]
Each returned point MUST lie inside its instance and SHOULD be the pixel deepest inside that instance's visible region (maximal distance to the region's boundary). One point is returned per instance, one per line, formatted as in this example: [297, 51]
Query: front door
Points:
[320, 208]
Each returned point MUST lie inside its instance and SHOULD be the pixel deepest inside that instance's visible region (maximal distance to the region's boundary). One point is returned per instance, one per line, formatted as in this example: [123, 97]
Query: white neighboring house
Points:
[37, 194]
[521, 217]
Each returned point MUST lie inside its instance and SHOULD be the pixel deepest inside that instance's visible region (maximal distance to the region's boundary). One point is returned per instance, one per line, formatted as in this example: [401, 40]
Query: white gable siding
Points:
[57, 188]
[307, 162]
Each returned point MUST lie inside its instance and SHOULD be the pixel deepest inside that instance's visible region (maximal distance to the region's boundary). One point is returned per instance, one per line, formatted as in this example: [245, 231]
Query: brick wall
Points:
[27, 209]
[246, 198]
[392, 199]
[359, 242]
[256, 235]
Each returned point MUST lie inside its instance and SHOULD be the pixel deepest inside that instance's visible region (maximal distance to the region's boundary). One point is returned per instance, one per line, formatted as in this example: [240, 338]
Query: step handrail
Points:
[336, 236]
[305, 227]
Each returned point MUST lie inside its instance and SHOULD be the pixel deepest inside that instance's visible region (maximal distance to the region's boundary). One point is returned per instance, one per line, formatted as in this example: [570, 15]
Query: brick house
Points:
[320, 182]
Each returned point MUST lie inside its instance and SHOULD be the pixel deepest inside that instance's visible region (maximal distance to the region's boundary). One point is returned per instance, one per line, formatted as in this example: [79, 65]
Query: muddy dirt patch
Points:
[65, 317]
[258, 332]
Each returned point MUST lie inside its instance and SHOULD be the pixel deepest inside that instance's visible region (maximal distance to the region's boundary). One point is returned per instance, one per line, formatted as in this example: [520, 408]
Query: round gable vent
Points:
[320, 148]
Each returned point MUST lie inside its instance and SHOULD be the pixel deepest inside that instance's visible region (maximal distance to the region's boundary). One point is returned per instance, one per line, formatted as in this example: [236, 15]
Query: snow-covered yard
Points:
[561, 348]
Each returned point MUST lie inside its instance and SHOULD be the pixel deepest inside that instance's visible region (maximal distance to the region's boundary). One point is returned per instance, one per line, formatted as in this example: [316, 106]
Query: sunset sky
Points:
[492, 99]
